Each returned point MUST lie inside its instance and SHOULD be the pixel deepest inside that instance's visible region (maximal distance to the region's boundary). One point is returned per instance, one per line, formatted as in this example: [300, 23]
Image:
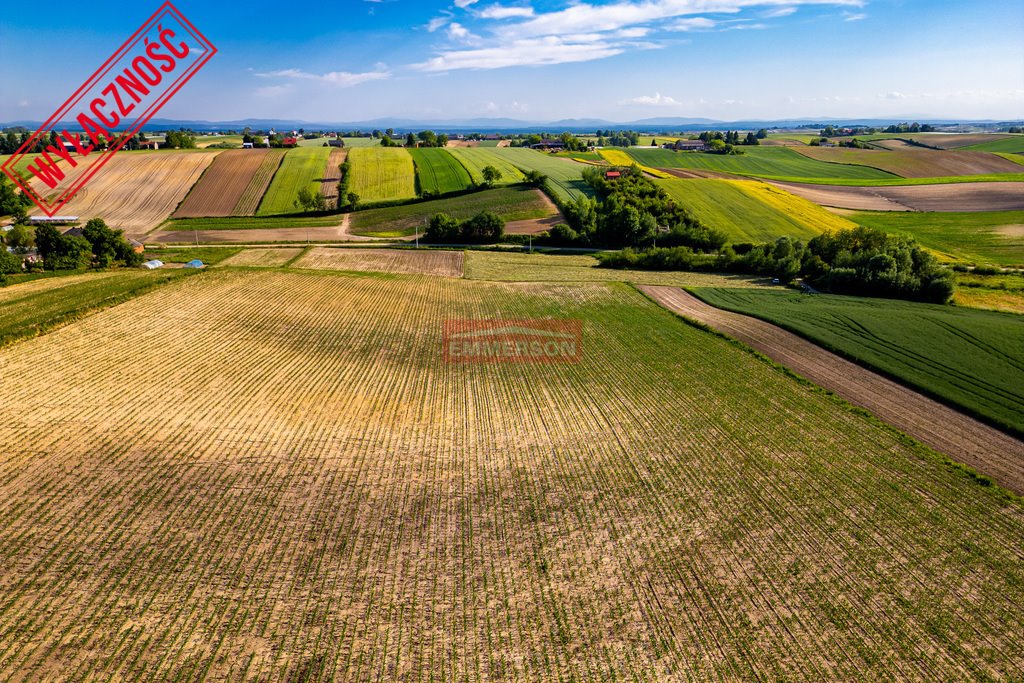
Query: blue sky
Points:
[549, 59]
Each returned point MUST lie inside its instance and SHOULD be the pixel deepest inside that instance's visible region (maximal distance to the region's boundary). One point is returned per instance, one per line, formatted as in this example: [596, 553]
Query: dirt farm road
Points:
[948, 431]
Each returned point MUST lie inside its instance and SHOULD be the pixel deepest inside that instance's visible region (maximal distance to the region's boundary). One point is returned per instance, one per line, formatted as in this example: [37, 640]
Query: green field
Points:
[438, 172]
[208, 255]
[475, 159]
[37, 306]
[751, 211]
[981, 238]
[1012, 144]
[515, 266]
[361, 142]
[965, 357]
[511, 203]
[382, 174]
[565, 177]
[302, 167]
[762, 162]
[250, 222]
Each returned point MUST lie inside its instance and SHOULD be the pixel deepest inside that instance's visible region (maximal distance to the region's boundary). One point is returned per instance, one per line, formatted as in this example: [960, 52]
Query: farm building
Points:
[290, 142]
[549, 145]
[246, 145]
[137, 246]
[612, 175]
[149, 144]
[153, 265]
[688, 146]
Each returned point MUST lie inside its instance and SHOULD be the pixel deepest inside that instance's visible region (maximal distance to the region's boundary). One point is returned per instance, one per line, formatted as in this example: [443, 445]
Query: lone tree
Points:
[491, 175]
[310, 201]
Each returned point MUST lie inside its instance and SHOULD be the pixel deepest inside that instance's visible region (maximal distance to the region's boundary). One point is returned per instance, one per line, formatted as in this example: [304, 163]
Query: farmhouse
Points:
[549, 145]
[612, 175]
[149, 144]
[290, 142]
[688, 146]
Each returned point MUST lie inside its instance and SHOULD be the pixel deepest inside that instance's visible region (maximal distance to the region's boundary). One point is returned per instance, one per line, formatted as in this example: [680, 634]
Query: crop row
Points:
[286, 482]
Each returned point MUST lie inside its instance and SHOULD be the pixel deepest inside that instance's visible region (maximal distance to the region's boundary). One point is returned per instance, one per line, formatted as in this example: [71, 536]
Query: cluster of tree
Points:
[98, 245]
[12, 202]
[484, 228]
[310, 201]
[14, 244]
[728, 142]
[1015, 129]
[859, 261]
[425, 138]
[910, 128]
[346, 199]
[630, 211]
[179, 139]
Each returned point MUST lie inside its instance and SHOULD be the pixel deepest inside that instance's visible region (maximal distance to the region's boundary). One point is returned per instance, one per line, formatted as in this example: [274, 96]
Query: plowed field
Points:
[223, 184]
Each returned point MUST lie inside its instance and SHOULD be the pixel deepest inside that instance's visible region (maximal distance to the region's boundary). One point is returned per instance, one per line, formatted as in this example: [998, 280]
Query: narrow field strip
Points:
[959, 436]
[427, 262]
[250, 198]
[266, 258]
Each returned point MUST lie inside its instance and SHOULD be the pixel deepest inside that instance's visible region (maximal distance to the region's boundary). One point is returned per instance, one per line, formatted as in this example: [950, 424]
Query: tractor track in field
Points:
[948, 431]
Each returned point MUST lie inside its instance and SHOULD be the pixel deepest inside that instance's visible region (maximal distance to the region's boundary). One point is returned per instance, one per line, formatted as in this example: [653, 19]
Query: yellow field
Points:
[793, 206]
[382, 173]
[617, 157]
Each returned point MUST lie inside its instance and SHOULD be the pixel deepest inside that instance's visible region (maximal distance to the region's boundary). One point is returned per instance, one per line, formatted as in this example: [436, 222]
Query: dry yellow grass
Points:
[447, 263]
[135, 192]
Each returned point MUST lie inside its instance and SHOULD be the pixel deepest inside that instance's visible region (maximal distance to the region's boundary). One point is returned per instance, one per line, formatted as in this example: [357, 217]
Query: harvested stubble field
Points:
[914, 162]
[275, 477]
[302, 168]
[425, 262]
[266, 258]
[751, 211]
[223, 184]
[137, 191]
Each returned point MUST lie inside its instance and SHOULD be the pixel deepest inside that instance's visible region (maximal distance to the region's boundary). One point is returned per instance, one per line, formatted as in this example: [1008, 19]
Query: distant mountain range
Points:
[494, 125]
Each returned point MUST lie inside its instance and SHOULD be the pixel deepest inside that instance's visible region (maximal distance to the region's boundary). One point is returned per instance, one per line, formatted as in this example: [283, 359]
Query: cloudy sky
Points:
[543, 60]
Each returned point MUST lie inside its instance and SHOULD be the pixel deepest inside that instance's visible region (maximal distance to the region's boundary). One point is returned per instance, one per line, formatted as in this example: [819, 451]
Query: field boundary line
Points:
[960, 439]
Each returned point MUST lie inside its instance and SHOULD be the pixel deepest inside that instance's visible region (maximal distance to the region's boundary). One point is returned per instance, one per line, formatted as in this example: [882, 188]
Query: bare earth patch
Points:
[1011, 230]
[537, 225]
[963, 438]
[446, 263]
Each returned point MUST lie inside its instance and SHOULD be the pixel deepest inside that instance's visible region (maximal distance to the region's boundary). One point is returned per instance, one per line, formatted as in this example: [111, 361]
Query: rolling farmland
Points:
[382, 174]
[995, 237]
[302, 167]
[281, 485]
[766, 162]
[136, 191]
[911, 162]
[475, 159]
[1009, 144]
[510, 203]
[751, 211]
[438, 172]
[565, 177]
[223, 184]
[968, 358]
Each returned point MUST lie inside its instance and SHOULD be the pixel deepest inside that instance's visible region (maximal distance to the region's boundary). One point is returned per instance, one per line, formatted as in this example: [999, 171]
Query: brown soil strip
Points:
[332, 175]
[222, 185]
[258, 184]
[537, 225]
[961, 437]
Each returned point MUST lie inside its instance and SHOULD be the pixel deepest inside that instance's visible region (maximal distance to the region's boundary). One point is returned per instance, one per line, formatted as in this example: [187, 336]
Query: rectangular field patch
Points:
[446, 263]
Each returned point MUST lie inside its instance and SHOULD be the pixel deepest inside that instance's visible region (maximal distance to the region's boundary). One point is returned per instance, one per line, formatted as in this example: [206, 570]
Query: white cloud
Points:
[692, 24]
[778, 12]
[503, 12]
[854, 16]
[464, 3]
[340, 79]
[438, 22]
[657, 100]
[532, 52]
